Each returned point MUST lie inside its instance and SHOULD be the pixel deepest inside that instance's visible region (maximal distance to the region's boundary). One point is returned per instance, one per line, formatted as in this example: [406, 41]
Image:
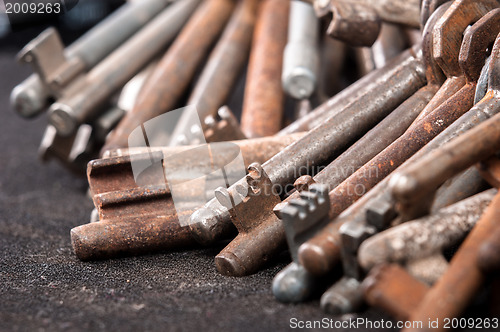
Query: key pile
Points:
[385, 190]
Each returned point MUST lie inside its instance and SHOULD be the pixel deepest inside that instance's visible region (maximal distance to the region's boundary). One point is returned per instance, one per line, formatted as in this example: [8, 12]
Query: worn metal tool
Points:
[223, 127]
[326, 143]
[262, 112]
[451, 294]
[352, 23]
[219, 74]
[358, 21]
[136, 212]
[300, 218]
[323, 142]
[325, 250]
[347, 163]
[363, 86]
[394, 290]
[390, 43]
[301, 54]
[75, 151]
[434, 122]
[424, 236]
[356, 234]
[164, 88]
[31, 97]
[405, 186]
[81, 101]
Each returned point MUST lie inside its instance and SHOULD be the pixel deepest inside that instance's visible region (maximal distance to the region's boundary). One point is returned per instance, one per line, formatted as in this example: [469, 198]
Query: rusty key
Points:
[316, 257]
[324, 142]
[220, 73]
[31, 96]
[477, 144]
[287, 164]
[424, 236]
[263, 100]
[449, 297]
[294, 283]
[137, 218]
[168, 82]
[365, 148]
[81, 100]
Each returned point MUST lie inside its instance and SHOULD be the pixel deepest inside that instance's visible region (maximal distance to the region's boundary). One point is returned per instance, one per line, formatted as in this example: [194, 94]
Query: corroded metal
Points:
[390, 11]
[138, 218]
[31, 96]
[425, 236]
[82, 99]
[316, 148]
[220, 72]
[324, 250]
[353, 23]
[452, 293]
[324, 142]
[362, 87]
[263, 101]
[166, 85]
[394, 290]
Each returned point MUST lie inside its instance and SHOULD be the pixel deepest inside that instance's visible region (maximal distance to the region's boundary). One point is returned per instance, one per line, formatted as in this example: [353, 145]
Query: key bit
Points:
[405, 13]
[137, 213]
[223, 128]
[425, 236]
[74, 152]
[353, 23]
[30, 97]
[253, 196]
[301, 218]
[46, 54]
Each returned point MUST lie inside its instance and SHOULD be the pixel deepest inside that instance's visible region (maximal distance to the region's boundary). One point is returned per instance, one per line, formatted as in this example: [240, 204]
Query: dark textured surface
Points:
[43, 286]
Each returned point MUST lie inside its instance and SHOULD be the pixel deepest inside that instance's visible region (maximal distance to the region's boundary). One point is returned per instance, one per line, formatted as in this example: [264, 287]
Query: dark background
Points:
[43, 286]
